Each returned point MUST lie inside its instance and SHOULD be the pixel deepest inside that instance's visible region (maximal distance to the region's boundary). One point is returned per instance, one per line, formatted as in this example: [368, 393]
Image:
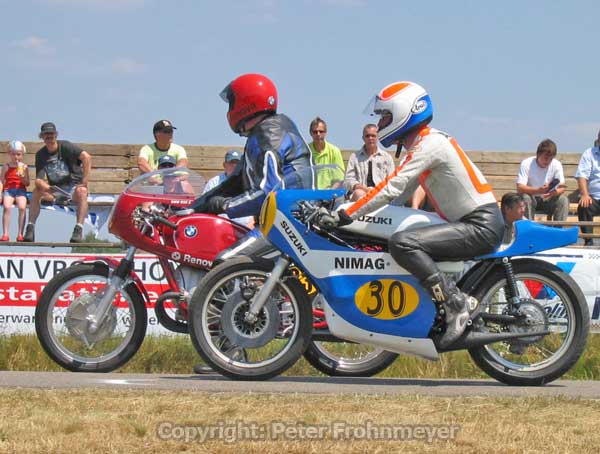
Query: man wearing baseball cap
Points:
[163, 145]
[62, 172]
[232, 159]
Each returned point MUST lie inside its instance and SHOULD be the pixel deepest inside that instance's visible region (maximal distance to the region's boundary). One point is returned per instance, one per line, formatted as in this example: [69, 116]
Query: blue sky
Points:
[502, 75]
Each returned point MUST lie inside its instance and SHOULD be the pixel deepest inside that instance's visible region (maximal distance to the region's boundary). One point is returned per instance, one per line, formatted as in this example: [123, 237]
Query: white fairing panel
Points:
[387, 220]
[423, 348]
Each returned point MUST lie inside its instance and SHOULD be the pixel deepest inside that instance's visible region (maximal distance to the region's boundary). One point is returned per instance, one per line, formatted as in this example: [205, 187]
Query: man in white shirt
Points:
[541, 180]
[588, 180]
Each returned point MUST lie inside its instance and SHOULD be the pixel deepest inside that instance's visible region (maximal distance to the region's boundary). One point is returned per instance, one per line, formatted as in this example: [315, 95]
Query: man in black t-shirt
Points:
[62, 174]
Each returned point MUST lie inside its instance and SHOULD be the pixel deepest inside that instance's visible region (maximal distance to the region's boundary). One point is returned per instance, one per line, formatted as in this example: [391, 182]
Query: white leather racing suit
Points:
[458, 191]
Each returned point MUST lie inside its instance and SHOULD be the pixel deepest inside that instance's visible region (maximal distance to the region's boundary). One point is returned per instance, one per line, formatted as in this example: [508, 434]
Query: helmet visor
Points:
[370, 107]
[227, 95]
[385, 115]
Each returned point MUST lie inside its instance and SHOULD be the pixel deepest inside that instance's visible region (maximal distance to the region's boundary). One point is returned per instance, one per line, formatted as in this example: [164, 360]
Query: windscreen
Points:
[177, 181]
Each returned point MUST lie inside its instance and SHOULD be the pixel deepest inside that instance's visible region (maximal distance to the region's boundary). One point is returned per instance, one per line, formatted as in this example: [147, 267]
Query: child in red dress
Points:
[14, 179]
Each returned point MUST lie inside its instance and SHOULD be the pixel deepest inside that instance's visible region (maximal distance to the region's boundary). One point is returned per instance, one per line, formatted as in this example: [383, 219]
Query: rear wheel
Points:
[550, 301]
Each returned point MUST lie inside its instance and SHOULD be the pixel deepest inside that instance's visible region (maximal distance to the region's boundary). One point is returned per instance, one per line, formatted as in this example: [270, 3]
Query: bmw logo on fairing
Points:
[190, 231]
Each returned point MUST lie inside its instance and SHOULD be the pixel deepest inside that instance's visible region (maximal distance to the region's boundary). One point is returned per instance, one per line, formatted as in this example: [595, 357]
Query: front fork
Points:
[114, 285]
[273, 278]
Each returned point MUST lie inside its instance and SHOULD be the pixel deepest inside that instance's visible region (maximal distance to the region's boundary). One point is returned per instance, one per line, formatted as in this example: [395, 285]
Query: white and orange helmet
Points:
[402, 106]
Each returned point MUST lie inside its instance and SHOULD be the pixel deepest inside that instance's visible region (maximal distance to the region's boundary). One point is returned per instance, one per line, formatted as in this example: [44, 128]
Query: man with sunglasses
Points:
[62, 175]
[323, 153]
[163, 145]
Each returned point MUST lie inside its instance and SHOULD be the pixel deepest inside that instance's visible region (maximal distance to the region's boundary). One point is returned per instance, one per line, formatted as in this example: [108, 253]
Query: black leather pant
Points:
[477, 233]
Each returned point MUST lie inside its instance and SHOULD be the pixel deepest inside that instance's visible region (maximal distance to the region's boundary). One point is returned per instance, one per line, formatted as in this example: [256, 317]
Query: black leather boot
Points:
[456, 305]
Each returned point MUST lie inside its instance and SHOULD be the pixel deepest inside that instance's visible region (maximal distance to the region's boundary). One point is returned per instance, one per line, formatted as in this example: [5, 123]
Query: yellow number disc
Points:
[386, 299]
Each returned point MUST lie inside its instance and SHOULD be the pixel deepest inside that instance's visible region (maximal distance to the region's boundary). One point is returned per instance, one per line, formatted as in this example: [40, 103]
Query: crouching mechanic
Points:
[456, 187]
[274, 149]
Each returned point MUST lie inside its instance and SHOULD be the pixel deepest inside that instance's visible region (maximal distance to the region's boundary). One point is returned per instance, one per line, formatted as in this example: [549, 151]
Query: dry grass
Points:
[126, 421]
[175, 354]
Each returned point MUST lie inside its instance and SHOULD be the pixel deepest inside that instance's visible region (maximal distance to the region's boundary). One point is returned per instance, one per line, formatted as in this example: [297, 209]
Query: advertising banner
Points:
[23, 277]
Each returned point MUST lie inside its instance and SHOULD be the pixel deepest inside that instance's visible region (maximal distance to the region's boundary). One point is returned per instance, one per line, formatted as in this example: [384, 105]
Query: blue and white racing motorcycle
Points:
[250, 319]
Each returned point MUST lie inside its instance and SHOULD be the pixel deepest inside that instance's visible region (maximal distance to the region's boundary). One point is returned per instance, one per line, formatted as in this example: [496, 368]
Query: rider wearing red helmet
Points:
[456, 187]
[274, 147]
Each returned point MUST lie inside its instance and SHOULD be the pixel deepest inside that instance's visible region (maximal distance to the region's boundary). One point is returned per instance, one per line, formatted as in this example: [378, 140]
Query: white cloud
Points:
[34, 45]
[8, 109]
[260, 12]
[124, 65]
[344, 3]
[99, 4]
[495, 122]
[583, 129]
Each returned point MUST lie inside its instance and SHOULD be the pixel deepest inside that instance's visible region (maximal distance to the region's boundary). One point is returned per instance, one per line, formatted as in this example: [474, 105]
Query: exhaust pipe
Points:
[474, 339]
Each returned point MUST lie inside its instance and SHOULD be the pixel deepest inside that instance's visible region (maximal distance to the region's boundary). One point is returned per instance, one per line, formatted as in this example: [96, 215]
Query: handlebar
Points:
[155, 216]
[163, 221]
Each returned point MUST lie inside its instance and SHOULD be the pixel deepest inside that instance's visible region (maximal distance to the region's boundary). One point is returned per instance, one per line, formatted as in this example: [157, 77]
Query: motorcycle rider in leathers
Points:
[455, 186]
[274, 149]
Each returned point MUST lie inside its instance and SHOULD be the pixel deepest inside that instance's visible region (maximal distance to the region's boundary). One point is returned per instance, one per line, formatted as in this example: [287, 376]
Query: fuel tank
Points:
[204, 235]
[387, 220]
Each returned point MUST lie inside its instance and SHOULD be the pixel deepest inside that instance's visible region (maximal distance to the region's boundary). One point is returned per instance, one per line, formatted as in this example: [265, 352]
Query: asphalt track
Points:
[304, 385]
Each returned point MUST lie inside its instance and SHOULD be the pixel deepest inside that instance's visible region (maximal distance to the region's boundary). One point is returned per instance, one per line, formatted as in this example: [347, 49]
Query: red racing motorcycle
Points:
[92, 316]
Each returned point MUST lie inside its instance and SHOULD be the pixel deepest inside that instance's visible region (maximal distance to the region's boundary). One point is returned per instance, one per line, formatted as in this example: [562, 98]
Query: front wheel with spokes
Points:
[63, 326]
[236, 347]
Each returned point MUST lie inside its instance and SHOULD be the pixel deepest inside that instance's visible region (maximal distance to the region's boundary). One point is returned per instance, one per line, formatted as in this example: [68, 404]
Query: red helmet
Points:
[248, 96]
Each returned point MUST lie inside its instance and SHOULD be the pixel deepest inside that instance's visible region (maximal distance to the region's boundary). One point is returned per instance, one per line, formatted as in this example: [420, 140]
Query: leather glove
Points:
[331, 219]
[215, 205]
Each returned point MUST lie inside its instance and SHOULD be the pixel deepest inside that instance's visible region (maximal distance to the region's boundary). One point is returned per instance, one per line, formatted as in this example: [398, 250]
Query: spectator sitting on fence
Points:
[174, 182]
[232, 159]
[66, 167]
[588, 180]
[324, 152]
[541, 180]
[368, 166]
[512, 206]
[14, 179]
[163, 145]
